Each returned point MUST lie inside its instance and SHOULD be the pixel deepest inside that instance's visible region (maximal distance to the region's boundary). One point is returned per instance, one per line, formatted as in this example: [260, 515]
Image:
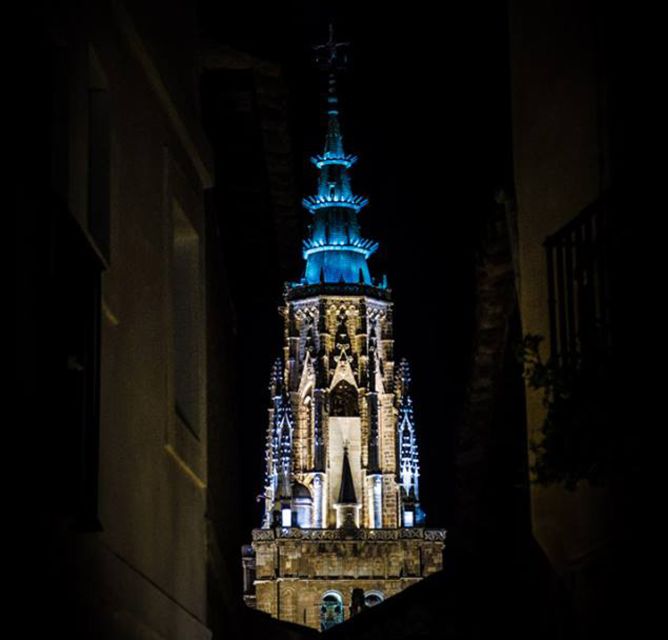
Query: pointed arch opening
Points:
[344, 401]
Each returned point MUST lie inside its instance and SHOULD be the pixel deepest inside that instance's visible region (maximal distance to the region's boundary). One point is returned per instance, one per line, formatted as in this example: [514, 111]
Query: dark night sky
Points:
[425, 107]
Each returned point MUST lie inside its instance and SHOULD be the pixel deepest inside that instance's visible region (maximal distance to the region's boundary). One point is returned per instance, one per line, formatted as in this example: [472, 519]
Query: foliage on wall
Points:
[579, 439]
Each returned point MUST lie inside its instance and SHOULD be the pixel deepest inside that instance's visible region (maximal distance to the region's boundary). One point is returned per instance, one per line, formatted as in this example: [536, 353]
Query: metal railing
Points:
[579, 287]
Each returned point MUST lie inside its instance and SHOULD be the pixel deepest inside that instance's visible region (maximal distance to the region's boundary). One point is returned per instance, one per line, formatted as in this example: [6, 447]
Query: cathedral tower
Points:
[341, 495]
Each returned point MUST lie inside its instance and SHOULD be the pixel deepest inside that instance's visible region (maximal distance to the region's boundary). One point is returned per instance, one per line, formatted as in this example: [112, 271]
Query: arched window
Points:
[372, 598]
[344, 400]
[331, 610]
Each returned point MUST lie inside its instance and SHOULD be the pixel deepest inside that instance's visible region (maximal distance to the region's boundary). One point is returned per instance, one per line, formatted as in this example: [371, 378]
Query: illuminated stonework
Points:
[341, 493]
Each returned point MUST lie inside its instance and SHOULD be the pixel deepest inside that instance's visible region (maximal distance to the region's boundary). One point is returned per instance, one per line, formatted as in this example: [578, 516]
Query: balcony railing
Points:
[579, 287]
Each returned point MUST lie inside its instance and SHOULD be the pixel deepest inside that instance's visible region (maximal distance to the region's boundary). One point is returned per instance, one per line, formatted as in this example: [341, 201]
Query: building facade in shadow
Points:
[124, 317]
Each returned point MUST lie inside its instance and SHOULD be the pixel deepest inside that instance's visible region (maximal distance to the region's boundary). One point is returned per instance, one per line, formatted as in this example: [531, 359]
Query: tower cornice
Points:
[298, 291]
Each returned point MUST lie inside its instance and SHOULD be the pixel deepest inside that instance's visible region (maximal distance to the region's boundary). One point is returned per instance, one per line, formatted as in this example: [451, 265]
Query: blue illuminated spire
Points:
[335, 252]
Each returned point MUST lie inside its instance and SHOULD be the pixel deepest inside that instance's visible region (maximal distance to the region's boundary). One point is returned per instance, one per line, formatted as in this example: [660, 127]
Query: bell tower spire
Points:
[342, 472]
[335, 252]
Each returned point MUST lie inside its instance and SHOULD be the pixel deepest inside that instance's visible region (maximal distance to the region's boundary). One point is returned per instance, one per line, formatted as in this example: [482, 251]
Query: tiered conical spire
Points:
[335, 252]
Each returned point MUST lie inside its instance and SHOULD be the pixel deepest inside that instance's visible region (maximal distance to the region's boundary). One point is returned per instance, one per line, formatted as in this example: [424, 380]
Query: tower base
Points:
[307, 576]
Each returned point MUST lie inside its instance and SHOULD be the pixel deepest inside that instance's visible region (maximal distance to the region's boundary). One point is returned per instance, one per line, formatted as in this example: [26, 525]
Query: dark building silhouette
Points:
[573, 250]
[125, 331]
[113, 298]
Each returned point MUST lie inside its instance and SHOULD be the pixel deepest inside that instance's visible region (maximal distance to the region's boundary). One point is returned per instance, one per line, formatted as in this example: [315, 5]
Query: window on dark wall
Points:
[186, 319]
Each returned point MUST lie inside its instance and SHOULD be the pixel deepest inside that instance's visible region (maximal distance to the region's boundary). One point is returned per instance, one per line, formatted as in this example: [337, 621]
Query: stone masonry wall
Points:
[292, 575]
